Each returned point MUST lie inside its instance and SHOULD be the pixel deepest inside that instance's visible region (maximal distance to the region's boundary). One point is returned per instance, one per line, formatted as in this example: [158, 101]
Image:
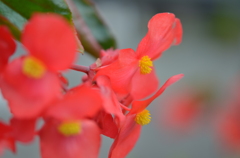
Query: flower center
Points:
[33, 67]
[143, 118]
[70, 128]
[145, 65]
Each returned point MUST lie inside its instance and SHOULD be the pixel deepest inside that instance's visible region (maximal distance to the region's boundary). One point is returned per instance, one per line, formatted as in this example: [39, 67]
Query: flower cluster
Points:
[110, 101]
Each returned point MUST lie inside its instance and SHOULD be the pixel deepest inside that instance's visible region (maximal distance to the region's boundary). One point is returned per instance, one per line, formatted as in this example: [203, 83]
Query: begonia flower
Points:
[30, 83]
[70, 139]
[181, 109]
[227, 120]
[135, 119]
[69, 129]
[163, 31]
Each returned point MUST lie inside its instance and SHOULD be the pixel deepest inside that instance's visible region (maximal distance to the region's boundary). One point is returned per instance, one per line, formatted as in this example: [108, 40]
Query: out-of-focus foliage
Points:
[225, 24]
[17, 12]
[92, 30]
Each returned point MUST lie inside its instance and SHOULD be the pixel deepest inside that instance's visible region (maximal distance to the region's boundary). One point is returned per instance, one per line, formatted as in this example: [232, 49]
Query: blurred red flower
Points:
[26, 81]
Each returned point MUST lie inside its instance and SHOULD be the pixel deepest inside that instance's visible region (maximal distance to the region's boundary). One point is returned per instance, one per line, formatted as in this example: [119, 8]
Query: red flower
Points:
[32, 96]
[227, 122]
[50, 39]
[182, 109]
[69, 131]
[70, 139]
[135, 119]
[164, 30]
[7, 46]
[30, 83]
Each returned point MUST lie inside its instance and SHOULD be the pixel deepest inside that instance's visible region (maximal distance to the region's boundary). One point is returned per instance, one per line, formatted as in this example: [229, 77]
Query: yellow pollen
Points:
[33, 68]
[143, 118]
[70, 128]
[145, 65]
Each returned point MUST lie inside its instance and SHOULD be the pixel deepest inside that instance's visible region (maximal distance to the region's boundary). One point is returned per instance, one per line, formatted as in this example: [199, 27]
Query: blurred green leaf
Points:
[16, 12]
[93, 32]
[14, 30]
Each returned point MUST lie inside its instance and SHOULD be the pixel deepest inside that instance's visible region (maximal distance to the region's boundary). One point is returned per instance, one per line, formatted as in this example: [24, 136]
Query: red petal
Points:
[110, 103]
[121, 71]
[51, 39]
[7, 46]
[138, 106]
[27, 97]
[6, 141]
[23, 130]
[85, 145]
[143, 85]
[4, 129]
[106, 123]
[126, 139]
[81, 102]
[160, 36]
[179, 31]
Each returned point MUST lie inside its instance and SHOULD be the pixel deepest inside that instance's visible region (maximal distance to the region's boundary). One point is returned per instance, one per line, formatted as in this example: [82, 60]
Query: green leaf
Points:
[93, 32]
[14, 30]
[17, 12]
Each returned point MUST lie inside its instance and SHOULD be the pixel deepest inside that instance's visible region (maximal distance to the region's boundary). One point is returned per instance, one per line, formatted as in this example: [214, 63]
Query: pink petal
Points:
[23, 130]
[126, 139]
[110, 102]
[84, 145]
[179, 31]
[28, 97]
[51, 39]
[107, 124]
[160, 36]
[138, 106]
[121, 71]
[77, 103]
[143, 85]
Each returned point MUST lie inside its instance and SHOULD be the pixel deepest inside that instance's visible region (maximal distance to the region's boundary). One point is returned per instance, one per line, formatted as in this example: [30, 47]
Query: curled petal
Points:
[179, 31]
[138, 106]
[161, 34]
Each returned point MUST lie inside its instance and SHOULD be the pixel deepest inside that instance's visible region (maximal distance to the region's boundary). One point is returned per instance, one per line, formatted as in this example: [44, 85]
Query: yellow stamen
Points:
[145, 65]
[143, 118]
[70, 128]
[33, 67]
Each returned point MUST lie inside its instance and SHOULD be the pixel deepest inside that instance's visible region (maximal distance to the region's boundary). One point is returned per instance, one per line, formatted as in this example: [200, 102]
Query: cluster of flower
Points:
[110, 100]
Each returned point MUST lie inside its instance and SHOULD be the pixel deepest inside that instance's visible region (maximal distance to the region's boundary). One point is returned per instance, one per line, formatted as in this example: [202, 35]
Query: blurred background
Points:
[209, 58]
